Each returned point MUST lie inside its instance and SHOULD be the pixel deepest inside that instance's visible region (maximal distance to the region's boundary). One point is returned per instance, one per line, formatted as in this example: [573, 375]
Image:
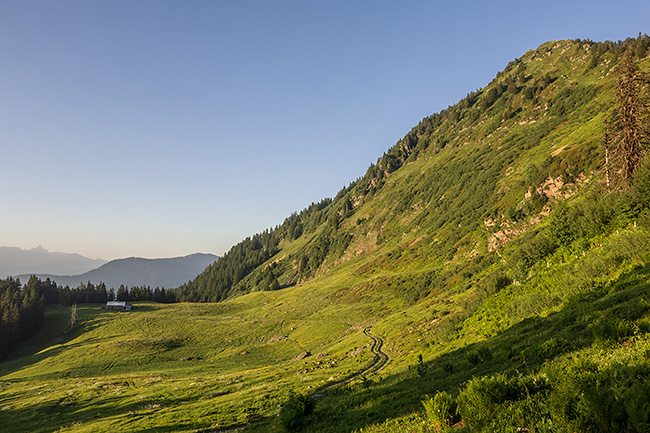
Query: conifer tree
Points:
[628, 137]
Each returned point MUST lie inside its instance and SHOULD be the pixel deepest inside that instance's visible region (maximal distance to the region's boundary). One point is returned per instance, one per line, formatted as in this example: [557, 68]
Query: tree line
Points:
[22, 308]
[21, 314]
[89, 293]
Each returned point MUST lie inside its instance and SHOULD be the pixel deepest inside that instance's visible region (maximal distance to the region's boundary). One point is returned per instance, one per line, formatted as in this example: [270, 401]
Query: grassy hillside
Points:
[509, 287]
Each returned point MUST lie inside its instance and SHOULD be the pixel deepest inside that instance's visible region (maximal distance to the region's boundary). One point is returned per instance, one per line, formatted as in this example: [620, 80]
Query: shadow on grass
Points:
[111, 414]
[55, 334]
[523, 348]
[52, 337]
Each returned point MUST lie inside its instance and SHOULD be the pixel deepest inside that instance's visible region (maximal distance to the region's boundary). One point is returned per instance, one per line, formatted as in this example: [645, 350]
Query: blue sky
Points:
[161, 128]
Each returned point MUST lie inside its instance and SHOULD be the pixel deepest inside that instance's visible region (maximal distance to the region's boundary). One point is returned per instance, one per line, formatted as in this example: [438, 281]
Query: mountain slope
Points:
[133, 271]
[15, 261]
[460, 184]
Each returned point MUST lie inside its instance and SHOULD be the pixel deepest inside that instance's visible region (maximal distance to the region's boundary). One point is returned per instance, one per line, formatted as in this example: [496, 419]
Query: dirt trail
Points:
[379, 362]
[381, 359]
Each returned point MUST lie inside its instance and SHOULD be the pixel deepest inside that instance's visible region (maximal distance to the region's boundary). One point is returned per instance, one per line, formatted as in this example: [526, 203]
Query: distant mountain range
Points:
[135, 271]
[16, 261]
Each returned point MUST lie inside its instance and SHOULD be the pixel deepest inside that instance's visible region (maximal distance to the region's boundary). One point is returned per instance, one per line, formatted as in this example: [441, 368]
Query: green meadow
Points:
[179, 367]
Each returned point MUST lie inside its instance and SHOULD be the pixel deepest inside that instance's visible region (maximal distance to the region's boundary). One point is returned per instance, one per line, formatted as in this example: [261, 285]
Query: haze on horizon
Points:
[162, 128]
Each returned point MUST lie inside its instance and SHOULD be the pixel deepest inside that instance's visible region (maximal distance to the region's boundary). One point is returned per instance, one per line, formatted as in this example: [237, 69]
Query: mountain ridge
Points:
[138, 271]
[15, 261]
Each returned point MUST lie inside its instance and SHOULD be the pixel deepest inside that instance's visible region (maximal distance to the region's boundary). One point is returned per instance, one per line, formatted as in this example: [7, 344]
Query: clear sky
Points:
[161, 128]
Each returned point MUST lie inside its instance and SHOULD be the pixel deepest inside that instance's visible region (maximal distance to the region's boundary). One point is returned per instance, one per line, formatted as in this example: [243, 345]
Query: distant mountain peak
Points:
[17, 261]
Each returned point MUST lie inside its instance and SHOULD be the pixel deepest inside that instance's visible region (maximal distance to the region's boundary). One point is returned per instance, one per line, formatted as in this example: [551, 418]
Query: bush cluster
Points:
[296, 412]
[441, 410]
[588, 397]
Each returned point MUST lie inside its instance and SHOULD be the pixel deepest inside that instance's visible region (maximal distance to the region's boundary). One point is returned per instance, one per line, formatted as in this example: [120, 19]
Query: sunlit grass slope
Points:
[181, 367]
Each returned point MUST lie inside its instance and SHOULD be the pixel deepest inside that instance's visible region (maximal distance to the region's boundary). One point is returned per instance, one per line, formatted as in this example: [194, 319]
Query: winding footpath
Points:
[379, 362]
[381, 359]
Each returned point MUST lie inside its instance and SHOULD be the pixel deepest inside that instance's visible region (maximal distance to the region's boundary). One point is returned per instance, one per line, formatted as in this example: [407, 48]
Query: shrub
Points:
[441, 410]
[295, 413]
[480, 355]
[637, 198]
[510, 353]
[551, 348]
[447, 326]
[586, 398]
[494, 283]
[478, 402]
[422, 367]
[473, 357]
[448, 366]
[563, 400]
[637, 406]
[485, 353]
[597, 409]
[536, 203]
[493, 403]
[613, 329]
